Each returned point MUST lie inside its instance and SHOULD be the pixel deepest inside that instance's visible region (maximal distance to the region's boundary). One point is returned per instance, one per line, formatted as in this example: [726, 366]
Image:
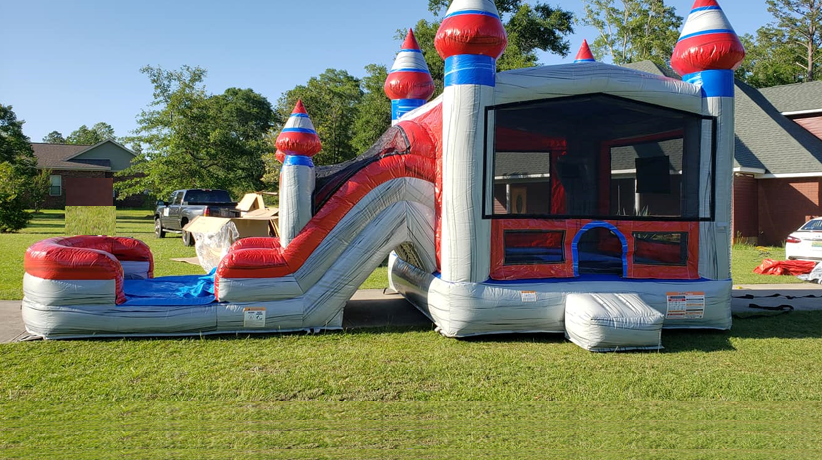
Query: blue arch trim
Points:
[575, 250]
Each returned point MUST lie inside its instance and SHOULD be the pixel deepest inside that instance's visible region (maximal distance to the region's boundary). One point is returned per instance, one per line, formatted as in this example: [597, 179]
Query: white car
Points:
[805, 243]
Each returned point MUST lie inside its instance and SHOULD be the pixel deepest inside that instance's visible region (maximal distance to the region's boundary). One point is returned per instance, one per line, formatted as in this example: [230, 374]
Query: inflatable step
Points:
[612, 322]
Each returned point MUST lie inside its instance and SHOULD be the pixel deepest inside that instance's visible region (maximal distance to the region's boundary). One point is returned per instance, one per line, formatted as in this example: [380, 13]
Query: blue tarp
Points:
[170, 290]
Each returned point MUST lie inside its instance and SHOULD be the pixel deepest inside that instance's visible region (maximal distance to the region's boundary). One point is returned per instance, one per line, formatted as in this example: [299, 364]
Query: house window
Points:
[56, 188]
[595, 157]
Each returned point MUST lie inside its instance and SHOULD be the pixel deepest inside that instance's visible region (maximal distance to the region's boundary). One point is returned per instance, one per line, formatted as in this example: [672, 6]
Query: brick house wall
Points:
[745, 225]
[59, 202]
[812, 123]
[784, 205]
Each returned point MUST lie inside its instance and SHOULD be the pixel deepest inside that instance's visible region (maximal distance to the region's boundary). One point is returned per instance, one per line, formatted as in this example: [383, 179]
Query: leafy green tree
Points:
[373, 111]
[192, 139]
[17, 167]
[770, 59]
[54, 137]
[38, 189]
[801, 23]
[637, 30]
[332, 100]
[90, 136]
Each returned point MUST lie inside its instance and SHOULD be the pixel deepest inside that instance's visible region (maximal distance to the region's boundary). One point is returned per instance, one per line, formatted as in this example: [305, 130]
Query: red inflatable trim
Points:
[409, 85]
[262, 242]
[277, 262]
[720, 51]
[584, 53]
[471, 34]
[86, 258]
[298, 143]
[500, 271]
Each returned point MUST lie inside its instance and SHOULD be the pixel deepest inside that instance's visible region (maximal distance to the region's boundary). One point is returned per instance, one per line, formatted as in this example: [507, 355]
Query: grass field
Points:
[754, 392]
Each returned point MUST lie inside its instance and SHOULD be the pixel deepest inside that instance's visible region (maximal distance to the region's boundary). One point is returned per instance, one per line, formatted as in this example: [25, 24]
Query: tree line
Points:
[188, 137]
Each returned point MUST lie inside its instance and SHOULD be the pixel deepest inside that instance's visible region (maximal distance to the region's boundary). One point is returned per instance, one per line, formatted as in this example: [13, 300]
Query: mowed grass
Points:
[754, 392]
[747, 257]
[133, 223]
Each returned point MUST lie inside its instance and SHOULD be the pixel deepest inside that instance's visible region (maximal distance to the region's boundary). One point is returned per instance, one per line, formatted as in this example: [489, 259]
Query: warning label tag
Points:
[254, 317]
[528, 296]
[686, 305]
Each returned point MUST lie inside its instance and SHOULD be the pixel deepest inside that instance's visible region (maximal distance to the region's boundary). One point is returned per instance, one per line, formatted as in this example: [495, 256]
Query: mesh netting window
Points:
[661, 248]
[527, 247]
[595, 156]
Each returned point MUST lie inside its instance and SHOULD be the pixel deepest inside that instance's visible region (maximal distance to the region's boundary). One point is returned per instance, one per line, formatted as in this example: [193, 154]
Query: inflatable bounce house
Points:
[582, 198]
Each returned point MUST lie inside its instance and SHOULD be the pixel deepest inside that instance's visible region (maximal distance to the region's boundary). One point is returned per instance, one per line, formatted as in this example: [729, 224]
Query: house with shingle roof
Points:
[83, 175]
[778, 157]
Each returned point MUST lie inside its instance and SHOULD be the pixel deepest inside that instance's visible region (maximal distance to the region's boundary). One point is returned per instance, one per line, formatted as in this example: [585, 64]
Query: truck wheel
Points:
[188, 238]
[158, 228]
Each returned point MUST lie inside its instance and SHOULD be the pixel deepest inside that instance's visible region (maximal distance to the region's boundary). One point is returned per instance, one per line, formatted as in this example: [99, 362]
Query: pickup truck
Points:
[184, 205]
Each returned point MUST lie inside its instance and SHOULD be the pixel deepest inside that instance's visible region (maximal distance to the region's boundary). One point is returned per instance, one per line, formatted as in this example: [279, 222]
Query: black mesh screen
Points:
[595, 156]
[330, 178]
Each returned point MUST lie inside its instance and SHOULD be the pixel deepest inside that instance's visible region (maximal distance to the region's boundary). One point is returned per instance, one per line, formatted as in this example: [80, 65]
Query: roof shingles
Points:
[765, 139]
[59, 156]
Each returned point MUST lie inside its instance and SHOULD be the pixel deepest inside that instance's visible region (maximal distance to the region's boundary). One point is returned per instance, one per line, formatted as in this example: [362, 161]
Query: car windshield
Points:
[812, 226]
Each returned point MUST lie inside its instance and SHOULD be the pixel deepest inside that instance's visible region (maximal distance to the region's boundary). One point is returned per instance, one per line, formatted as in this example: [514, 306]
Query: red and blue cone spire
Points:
[470, 39]
[409, 84]
[708, 51]
[585, 54]
[298, 137]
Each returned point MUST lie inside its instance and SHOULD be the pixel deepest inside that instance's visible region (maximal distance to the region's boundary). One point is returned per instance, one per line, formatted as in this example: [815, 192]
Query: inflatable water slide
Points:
[583, 198]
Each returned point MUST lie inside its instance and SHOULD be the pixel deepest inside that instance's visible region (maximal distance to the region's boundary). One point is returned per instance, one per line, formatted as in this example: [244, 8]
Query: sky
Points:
[67, 64]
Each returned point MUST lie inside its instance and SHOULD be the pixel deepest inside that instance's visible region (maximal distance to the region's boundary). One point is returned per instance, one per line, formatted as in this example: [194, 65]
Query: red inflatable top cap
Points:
[298, 136]
[585, 54]
[708, 41]
[409, 77]
[410, 42]
[471, 27]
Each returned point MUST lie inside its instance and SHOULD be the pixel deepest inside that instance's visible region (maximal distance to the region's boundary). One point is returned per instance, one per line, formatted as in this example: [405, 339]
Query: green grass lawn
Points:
[754, 392]
[746, 258]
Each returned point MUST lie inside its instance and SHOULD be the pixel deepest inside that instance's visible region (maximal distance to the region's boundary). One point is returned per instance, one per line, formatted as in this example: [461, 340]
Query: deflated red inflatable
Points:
[785, 267]
[86, 258]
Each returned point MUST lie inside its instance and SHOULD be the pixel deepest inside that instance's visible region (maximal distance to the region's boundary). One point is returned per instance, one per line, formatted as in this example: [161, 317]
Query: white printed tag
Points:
[254, 317]
[686, 305]
[528, 296]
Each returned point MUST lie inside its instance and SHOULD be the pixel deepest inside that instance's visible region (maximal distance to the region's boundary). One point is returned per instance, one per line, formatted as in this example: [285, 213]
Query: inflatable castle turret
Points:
[409, 84]
[584, 54]
[706, 55]
[470, 40]
[296, 144]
